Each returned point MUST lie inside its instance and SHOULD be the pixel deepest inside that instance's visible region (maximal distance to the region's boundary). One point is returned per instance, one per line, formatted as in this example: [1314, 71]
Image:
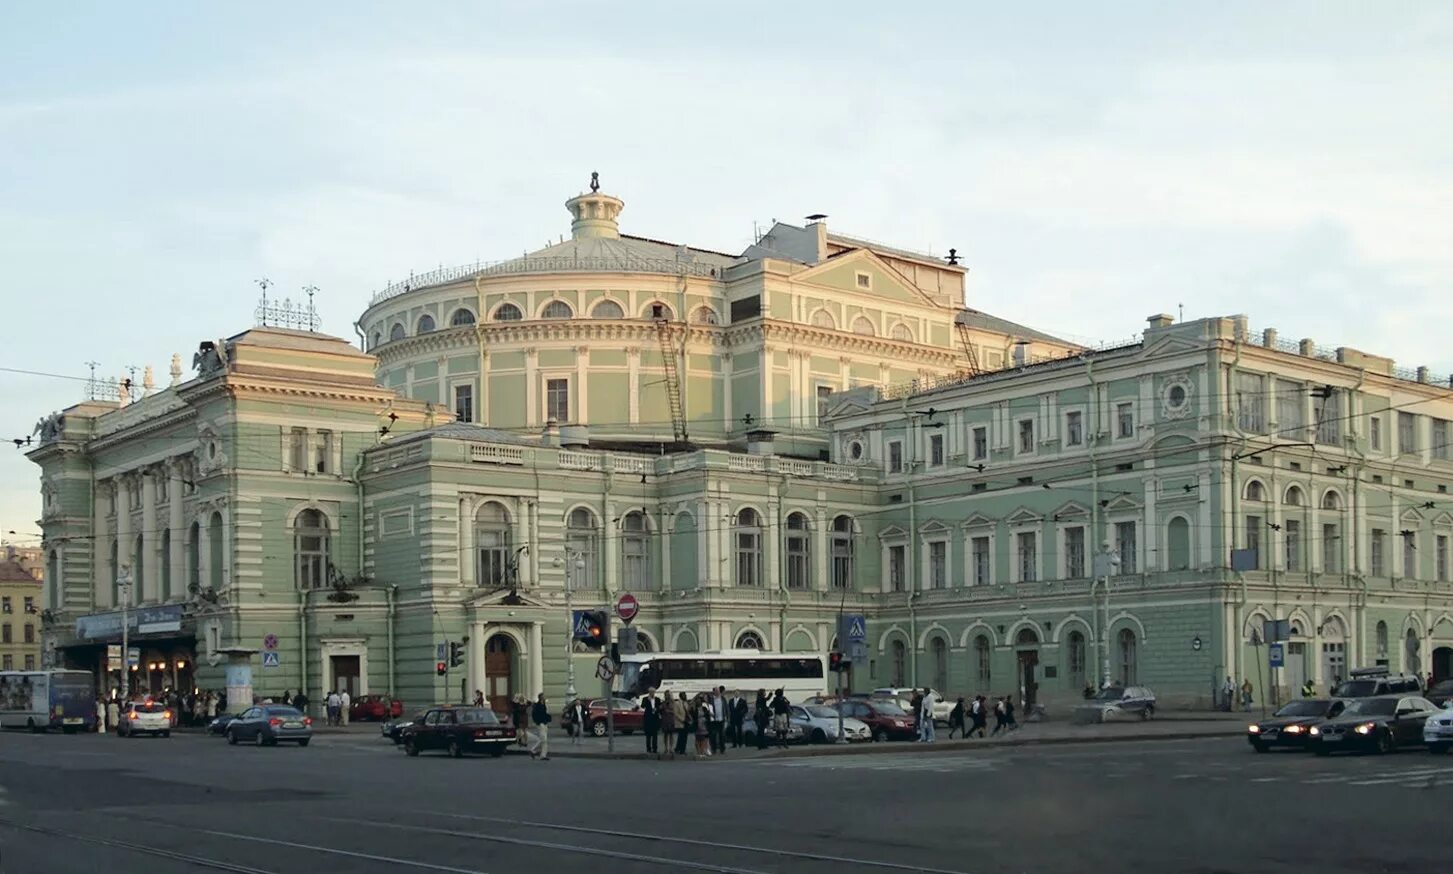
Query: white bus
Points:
[38, 700]
[798, 675]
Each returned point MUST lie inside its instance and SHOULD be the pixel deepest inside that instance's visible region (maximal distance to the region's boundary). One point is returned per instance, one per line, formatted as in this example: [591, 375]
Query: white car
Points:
[144, 717]
[819, 724]
[903, 697]
[1438, 730]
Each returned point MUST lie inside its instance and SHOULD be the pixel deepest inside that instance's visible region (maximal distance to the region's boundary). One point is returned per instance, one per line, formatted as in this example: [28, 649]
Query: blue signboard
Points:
[141, 620]
[1276, 655]
[270, 659]
[439, 652]
[579, 624]
[855, 628]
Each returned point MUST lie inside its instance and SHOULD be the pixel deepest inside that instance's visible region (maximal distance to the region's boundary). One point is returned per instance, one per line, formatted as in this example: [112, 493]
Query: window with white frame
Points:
[842, 552]
[1125, 545]
[895, 456]
[492, 544]
[1253, 539]
[982, 660]
[1410, 554]
[1075, 552]
[1330, 546]
[1407, 433]
[935, 450]
[297, 449]
[864, 280]
[464, 403]
[580, 549]
[824, 399]
[979, 555]
[635, 552]
[1374, 433]
[322, 451]
[749, 547]
[557, 309]
[1125, 420]
[557, 400]
[310, 547]
[1327, 413]
[1026, 549]
[463, 318]
[799, 557]
[938, 564]
[1377, 560]
[1292, 540]
[1440, 557]
[1076, 659]
[1440, 439]
[1249, 403]
[897, 567]
[1026, 436]
[1074, 428]
[1289, 397]
[981, 443]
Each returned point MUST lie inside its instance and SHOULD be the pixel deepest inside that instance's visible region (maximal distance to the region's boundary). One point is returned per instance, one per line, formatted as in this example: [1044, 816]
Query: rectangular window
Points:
[29, 662]
[1410, 556]
[322, 451]
[1407, 433]
[1253, 539]
[29, 633]
[1026, 436]
[865, 281]
[1289, 407]
[981, 444]
[1440, 557]
[1377, 562]
[895, 457]
[797, 574]
[557, 399]
[1293, 532]
[5, 605]
[897, 567]
[938, 565]
[1074, 553]
[8, 663]
[1440, 439]
[1125, 545]
[1328, 413]
[464, 403]
[1074, 428]
[1025, 547]
[980, 551]
[1249, 394]
[1125, 420]
[1374, 433]
[6, 634]
[935, 450]
[29, 604]
[824, 397]
[297, 448]
[1331, 544]
[746, 308]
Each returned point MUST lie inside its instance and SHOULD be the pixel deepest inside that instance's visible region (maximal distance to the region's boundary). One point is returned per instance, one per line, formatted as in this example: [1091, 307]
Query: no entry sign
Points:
[627, 607]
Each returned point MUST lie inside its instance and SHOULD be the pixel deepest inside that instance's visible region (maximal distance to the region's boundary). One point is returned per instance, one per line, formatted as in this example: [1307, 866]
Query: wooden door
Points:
[499, 656]
[346, 675]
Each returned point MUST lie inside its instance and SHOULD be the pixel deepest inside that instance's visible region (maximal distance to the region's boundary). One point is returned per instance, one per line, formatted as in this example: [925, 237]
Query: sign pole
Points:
[123, 583]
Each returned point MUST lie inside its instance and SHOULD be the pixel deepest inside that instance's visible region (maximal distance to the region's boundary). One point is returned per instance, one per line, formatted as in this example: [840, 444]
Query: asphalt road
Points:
[87, 804]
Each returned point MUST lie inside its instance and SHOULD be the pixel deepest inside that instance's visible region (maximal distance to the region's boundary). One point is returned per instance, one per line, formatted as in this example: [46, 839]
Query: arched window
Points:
[704, 316]
[983, 660]
[1178, 544]
[1382, 642]
[1026, 637]
[310, 545]
[749, 640]
[194, 557]
[901, 331]
[644, 643]
[396, 332]
[749, 547]
[580, 549]
[863, 326]
[842, 552]
[635, 552]
[1331, 501]
[1128, 665]
[1075, 656]
[426, 324]
[492, 544]
[900, 663]
[799, 564]
[464, 317]
[607, 309]
[508, 312]
[1293, 497]
[824, 319]
[658, 311]
[1411, 646]
[166, 563]
[939, 649]
[557, 309]
[1255, 491]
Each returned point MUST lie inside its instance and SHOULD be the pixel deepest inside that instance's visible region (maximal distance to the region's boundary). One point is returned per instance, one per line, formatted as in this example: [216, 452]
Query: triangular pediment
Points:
[978, 520]
[932, 526]
[1170, 346]
[1024, 516]
[1071, 510]
[1443, 518]
[1122, 502]
[892, 532]
[503, 597]
[840, 273]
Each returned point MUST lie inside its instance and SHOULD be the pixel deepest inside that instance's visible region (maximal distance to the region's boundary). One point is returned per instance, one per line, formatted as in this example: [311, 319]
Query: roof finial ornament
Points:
[594, 181]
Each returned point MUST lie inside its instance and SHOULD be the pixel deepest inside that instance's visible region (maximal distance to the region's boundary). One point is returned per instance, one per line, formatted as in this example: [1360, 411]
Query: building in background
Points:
[20, 617]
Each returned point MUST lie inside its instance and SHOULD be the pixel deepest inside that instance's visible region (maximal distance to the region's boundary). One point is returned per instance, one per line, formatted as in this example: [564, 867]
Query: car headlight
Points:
[1365, 728]
[1254, 729]
[1294, 729]
[1314, 731]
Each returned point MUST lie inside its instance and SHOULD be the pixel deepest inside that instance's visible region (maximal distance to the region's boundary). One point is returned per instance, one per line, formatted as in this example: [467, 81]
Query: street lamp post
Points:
[123, 592]
[574, 562]
[1107, 561]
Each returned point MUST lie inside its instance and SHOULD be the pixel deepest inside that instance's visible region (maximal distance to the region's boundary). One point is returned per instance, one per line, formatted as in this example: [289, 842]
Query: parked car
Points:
[1371, 682]
[394, 728]
[144, 717]
[1117, 702]
[627, 716]
[374, 708]
[219, 723]
[903, 697]
[1373, 725]
[267, 724]
[820, 722]
[1289, 726]
[457, 731]
[1440, 693]
[884, 718]
[796, 732]
[1438, 730]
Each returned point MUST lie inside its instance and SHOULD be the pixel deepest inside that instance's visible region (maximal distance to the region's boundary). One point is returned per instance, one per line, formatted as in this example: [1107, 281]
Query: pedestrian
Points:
[300, 701]
[956, 719]
[925, 706]
[345, 704]
[540, 743]
[738, 717]
[113, 714]
[915, 707]
[781, 716]
[998, 717]
[478, 698]
[762, 717]
[1089, 691]
[717, 714]
[211, 706]
[520, 717]
[1009, 720]
[704, 720]
[288, 697]
[101, 715]
[651, 721]
[1228, 695]
[680, 711]
[576, 710]
[1309, 690]
[1246, 695]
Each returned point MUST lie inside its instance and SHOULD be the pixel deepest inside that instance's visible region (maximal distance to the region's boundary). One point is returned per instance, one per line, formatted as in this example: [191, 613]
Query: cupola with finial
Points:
[594, 214]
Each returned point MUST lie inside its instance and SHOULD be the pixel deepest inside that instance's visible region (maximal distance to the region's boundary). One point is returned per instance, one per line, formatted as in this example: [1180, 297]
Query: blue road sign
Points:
[579, 625]
[1275, 655]
[439, 651]
[270, 659]
[856, 626]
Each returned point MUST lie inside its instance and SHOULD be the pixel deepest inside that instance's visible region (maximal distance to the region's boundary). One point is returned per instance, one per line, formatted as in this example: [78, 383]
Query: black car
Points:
[219, 723]
[458, 730]
[394, 728]
[1373, 725]
[1288, 727]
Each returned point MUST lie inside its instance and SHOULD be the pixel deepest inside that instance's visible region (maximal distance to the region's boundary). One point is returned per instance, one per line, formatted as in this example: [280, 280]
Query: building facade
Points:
[20, 617]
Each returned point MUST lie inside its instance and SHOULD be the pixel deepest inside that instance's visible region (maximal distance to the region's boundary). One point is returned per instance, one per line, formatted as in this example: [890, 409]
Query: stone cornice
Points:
[832, 342]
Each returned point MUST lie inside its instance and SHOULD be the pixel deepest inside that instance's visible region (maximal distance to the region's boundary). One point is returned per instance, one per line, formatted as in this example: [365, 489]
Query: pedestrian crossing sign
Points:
[270, 659]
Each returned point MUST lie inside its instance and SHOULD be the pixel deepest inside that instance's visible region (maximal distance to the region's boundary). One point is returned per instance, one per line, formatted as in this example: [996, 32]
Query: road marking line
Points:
[410, 863]
[1337, 779]
[1185, 776]
[1266, 780]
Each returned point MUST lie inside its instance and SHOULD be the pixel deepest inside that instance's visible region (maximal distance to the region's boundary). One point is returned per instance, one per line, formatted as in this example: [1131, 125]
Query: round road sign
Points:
[1196, 643]
[627, 607]
[269, 642]
[605, 669]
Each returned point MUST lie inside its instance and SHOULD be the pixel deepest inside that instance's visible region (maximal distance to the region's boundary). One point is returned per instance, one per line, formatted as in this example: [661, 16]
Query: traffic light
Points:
[835, 662]
[594, 628]
[441, 668]
[456, 654]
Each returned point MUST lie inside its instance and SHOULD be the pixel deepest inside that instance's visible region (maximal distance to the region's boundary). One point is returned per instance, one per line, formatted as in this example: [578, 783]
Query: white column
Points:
[177, 559]
[582, 359]
[226, 547]
[633, 384]
[537, 658]
[101, 550]
[124, 546]
[204, 550]
[150, 584]
[663, 540]
[535, 560]
[772, 541]
[466, 541]
[703, 548]
[475, 659]
[533, 416]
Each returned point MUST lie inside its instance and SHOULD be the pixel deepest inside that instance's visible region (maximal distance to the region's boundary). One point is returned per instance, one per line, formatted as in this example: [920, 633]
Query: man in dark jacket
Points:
[651, 721]
[738, 719]
[540, 743]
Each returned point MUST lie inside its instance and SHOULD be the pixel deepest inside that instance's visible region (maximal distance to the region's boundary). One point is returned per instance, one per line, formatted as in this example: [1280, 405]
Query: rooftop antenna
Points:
[1181, 309]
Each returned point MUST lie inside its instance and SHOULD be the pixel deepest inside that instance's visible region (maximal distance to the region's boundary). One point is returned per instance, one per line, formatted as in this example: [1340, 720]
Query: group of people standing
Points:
[972, 720]
[197, 707]
[712, 720]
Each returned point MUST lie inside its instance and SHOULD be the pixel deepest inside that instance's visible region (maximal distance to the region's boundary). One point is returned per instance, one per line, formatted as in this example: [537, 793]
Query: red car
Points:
[374, 708]
[627, 716]
[887, 720]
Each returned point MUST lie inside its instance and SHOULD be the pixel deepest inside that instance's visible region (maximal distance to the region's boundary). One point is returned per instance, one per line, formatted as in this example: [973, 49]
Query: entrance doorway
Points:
[345, 675]
[1442, 663]
[1028, 661]
[1334, 664]
[499, 664]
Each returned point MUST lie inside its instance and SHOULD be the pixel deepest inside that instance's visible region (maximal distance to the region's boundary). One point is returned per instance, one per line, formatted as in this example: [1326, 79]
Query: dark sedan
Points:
[267, 724]
[1373, 725]
[1289, 726]
[219, 723]
[458, 730]
[394, 728]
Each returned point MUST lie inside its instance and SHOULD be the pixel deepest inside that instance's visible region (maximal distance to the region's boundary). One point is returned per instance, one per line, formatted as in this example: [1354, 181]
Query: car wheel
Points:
[880, 735]
[410, 747]
[1260, 748]
[232, 737]
[455, 750]
[497, 750]
[304, 742]
[819, 736]
[597, 728]
[257, 739]
[1385, 743]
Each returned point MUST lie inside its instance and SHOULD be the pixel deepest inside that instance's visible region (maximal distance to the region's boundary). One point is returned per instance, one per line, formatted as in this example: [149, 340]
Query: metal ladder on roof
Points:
[968, 342]
[673, 379]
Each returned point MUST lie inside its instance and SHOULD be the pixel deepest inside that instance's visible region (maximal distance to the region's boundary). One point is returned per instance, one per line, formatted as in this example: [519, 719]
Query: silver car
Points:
[1116, 703]
[268, 724]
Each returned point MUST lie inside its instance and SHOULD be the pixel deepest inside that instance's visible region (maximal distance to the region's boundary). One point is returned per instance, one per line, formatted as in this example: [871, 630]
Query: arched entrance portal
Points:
[1026, 646]
[500, 656]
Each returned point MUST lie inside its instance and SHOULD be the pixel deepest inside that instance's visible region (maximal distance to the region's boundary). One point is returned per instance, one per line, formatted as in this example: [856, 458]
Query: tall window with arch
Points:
[939, 650]
[507, 312]
[636, 552]
[824, 319]
[492, 544]
[396, 332]
[704, 316]
[900, 662]
[580, 549]
[842, 552]
[1075, 659]
[749, 640]
[799, 563]
[1178, 544]
[983, 662]
[310, 546]
[557, 309]
[1129, 663]
[194, 556]
[1411, 645]
[426, 324]
[607, 309]
[749, 547]
[1381, 637]
[463, 318]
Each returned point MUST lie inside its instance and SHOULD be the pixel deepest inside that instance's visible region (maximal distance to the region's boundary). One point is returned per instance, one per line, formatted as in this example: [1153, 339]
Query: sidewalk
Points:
[1181, 725]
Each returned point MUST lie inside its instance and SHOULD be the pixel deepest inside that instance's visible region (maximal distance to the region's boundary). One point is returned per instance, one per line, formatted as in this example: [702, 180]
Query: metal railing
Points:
[545, 264]
[1327, 353]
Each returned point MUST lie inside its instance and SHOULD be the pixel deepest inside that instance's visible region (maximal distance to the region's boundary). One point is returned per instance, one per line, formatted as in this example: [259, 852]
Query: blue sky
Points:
[1093, 163]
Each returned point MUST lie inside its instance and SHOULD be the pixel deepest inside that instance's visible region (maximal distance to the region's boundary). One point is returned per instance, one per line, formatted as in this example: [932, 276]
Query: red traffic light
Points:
[440, 668]
[835, 662]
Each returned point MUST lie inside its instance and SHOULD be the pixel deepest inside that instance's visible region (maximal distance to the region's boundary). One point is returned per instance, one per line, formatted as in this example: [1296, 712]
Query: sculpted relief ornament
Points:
[210, 457]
